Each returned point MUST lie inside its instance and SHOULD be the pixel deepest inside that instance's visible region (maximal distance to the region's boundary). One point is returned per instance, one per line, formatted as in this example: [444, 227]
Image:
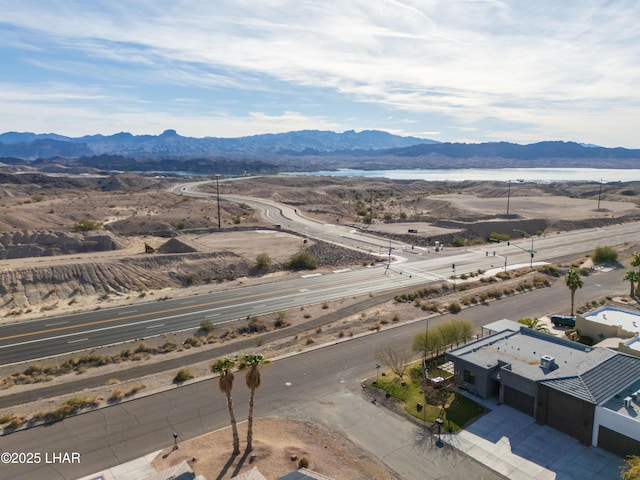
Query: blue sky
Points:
[470, 71]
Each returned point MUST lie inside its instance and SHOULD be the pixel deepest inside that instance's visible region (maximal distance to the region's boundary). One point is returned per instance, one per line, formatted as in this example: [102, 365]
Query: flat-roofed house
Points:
[592, 394]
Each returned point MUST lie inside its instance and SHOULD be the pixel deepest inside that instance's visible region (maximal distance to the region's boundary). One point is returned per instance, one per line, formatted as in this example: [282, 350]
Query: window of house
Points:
[469, 377]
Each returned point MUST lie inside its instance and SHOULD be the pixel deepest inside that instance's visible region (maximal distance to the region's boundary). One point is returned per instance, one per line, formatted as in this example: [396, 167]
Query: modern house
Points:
[612, 327]
[592, 394]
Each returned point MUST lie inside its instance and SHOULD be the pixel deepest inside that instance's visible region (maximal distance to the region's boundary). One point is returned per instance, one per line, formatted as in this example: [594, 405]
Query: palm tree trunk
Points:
[632, 289]
[252, 396]
[234, 425]
[573, 296]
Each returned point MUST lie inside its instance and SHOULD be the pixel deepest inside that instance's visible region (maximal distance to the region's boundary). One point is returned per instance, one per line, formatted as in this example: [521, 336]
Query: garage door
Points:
[518, 400]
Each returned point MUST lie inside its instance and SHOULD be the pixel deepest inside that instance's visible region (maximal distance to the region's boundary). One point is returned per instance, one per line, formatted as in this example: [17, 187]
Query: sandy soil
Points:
[551, 207]
[279, 444]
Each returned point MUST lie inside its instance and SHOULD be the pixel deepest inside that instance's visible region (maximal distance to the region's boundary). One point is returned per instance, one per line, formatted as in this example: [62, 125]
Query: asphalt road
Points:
[321, 385]
[27, 340]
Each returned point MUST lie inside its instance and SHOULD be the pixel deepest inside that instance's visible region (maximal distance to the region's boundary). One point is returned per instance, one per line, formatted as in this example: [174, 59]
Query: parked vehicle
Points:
[563, 321]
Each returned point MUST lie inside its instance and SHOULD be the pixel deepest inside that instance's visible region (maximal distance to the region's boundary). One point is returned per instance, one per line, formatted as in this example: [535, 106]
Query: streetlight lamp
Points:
[175, 441]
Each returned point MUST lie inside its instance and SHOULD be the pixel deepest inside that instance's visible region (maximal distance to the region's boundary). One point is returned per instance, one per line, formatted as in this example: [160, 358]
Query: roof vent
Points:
[547, 361]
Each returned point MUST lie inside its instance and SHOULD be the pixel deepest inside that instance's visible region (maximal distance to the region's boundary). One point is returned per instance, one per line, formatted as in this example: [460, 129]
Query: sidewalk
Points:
[503, 443]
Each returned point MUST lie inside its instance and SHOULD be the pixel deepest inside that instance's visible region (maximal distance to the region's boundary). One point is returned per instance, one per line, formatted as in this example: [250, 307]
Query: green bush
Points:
[263, 262]
[604, 255]
[302, 261]
[458, 242]
[206, 326]
[500, 237]
[86, 224]
[454, 307]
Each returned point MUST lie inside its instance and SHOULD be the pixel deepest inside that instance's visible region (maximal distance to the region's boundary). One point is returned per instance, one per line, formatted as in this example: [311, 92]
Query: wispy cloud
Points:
[455, 67]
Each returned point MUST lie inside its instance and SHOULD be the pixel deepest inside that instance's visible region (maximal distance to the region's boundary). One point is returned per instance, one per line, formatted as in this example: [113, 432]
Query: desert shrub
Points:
[181, 225]
[396, 317]
[143, 348]
[302, 261]
[116, 396]
[604, 255]
[500, 237]
[86, 225]
[549, 270]
[72, 406]
[281, 320]
[183, 375]
[254, 325]
[263, 262]
[430, 307]
[168, 346]
[309, 341]
[190, 279]
[454, 307]
[206, 326]
[540, 282]
[134, 389]
[15, 421]
[458, 241]
[192, 342]
[494, 293]
[303, 463]
[6, 418]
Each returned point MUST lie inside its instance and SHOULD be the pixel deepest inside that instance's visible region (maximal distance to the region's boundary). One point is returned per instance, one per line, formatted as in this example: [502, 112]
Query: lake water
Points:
[539, 175]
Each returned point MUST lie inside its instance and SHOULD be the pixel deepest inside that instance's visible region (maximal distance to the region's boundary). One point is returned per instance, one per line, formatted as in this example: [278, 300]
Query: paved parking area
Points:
[512, 444]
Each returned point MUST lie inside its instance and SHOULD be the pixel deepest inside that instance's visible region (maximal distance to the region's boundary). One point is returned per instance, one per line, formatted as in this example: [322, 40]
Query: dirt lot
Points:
[279, 444]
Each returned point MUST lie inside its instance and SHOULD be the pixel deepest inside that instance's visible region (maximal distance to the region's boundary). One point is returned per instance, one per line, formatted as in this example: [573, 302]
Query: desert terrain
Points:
[147, 243]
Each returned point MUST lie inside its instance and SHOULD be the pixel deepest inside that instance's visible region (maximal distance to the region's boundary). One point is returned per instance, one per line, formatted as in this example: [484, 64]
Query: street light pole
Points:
[531, 251]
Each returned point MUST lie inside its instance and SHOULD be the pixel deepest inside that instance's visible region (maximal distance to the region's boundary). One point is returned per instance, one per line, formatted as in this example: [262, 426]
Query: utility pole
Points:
[599, 194]
[508, 197]
[218, 197]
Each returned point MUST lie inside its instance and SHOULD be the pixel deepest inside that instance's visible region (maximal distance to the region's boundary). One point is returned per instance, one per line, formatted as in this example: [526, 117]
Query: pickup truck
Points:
[563, 321]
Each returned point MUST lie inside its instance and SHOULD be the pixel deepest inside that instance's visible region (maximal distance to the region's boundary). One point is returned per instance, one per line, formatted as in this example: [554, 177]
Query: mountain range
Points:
[295, 151]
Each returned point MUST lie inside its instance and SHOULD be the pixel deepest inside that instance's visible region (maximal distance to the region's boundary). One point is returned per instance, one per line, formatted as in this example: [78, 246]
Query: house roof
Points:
[304, 474]
[601, 382]
[253, 474]
[523, 350]
[591, 374]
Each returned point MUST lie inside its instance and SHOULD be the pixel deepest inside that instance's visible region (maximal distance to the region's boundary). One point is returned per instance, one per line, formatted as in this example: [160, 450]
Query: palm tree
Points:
[574, 282]
[224, 367]
[632, 277]
[253, 361]
[534, 324]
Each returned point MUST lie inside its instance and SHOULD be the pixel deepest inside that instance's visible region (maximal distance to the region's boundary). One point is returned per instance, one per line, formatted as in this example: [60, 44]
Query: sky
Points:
[454, 71]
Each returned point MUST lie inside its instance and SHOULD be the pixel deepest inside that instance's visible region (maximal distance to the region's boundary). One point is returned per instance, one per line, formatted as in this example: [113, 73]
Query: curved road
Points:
[40, 338]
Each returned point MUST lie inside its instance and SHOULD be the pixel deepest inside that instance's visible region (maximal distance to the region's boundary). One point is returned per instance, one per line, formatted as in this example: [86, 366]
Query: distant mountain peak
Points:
[169, 133]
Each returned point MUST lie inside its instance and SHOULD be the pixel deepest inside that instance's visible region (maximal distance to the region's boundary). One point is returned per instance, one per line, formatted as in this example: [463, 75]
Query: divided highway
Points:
[411, 268]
